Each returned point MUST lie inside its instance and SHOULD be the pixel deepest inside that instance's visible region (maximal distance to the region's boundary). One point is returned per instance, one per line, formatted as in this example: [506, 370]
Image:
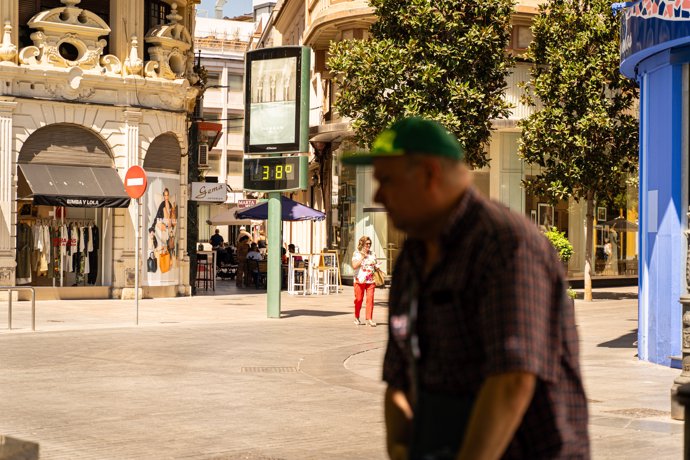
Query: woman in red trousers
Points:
[364, 264]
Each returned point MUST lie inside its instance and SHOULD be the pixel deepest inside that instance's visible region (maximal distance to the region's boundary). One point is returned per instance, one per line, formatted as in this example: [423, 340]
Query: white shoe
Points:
[371, 322]
[357, 322]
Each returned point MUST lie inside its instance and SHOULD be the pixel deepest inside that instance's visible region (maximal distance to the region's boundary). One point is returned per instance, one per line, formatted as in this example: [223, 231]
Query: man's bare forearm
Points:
[501, 404]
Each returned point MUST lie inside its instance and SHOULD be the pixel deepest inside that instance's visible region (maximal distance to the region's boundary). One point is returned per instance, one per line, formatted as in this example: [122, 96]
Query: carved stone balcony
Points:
[67, 52]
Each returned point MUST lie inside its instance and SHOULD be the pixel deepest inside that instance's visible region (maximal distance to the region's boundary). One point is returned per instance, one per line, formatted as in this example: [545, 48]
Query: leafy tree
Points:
[585, 135]
[442, 59]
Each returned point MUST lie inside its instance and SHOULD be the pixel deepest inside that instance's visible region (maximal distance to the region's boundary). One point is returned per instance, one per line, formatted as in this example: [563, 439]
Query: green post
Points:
[274, 240]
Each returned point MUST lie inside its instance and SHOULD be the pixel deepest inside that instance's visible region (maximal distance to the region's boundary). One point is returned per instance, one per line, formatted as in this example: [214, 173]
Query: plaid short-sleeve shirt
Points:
[496, 302]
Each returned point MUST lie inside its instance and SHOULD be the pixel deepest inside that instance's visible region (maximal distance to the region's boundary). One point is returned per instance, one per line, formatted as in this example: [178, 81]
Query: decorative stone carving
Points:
[133, 64]
[163, 100]
[6, 274]
[29, 55]
[70, 91]
[8, 51]
[190, 98]
[170, 44]
[150, 69]
[111, 64]
[69, 37]
[191, 75]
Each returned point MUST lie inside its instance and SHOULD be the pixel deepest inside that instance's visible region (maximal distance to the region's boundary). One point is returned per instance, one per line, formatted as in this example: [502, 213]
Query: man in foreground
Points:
[482, 356]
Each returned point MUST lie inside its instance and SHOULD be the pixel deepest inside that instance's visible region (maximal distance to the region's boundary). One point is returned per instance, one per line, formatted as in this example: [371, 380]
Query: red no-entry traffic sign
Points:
[135, 182]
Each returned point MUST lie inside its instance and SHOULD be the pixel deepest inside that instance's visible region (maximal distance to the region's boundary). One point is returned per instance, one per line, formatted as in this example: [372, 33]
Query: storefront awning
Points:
[72, 186]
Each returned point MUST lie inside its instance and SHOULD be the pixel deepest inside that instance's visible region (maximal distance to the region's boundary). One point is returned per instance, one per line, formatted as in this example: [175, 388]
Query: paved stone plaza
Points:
[213, 378]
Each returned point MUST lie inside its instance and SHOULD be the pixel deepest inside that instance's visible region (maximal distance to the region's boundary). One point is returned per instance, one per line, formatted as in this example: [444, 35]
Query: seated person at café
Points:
[283, 256]
[254, 253]
[261, 241]
[254, 258]
[291, 250]
[216, 240]
[223, 254]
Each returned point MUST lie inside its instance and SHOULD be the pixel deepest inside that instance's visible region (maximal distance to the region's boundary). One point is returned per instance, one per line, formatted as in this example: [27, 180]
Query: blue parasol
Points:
[290, 211]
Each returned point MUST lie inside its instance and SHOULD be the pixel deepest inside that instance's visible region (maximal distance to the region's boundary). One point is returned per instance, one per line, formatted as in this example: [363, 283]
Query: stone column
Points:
[132, 120]
[124, 266]
[7, 217]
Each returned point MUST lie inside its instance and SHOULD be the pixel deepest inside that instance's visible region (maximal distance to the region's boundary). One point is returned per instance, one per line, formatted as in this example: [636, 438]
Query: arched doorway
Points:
[67, 187]
[161, 205]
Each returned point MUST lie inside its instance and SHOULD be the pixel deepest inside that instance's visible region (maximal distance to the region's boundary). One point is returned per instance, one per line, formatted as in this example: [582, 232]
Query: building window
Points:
[522, 37]
[213, 79]
[235, 125]
[155, 12]
[235, 83]
[234, 165]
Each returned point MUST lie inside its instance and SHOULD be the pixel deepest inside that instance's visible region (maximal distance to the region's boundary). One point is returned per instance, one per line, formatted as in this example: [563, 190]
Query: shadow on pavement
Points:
[628, 340]
[291, 313]
[608, 295]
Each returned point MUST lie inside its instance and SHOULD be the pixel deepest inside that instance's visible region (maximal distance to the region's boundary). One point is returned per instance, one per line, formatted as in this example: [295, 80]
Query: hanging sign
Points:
[209, 191]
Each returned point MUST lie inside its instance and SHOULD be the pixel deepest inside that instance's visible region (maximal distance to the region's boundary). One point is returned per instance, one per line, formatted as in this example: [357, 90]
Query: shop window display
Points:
[58, 246]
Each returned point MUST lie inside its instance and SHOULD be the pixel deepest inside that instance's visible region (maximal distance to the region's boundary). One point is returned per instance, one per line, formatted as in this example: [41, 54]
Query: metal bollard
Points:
[683, 398]
[10, 290]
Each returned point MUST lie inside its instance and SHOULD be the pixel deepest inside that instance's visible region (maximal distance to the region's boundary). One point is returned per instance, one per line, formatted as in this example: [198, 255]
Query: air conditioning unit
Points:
[203, 156]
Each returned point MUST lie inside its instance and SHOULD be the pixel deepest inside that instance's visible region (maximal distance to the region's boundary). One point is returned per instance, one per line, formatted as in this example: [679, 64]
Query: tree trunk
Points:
[589, 234]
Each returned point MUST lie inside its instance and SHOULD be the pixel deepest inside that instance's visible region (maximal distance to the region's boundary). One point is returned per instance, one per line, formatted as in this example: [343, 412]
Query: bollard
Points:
[683, 398]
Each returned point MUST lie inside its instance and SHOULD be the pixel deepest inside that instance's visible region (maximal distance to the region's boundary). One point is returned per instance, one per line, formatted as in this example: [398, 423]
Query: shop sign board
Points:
[241, 204]
[209, 192]
[135, 182]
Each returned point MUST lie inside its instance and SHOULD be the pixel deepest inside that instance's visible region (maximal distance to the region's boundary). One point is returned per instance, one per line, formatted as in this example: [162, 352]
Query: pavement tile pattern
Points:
[211, 378]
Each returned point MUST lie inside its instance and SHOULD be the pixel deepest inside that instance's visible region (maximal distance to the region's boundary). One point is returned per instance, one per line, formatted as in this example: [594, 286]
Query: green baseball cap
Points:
[413, 135]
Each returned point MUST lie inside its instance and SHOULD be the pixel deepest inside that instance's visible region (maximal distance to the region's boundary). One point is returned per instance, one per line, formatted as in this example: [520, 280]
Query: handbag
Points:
[379, 277]
[164, 262]
[152, 263]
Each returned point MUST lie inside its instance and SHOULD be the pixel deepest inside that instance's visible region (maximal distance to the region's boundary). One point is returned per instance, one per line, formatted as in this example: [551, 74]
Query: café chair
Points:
[320, 275]
[297, 275]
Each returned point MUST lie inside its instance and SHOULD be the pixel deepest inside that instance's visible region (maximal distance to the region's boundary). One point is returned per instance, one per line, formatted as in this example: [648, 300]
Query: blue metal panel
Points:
[642, 270]
[660, 169]
[650, 27]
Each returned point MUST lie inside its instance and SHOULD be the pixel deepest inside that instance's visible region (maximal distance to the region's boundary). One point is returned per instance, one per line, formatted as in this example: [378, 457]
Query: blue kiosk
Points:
[655, 51]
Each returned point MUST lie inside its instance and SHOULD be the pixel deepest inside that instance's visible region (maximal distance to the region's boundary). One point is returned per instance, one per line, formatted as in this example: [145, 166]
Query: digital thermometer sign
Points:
[273, 174]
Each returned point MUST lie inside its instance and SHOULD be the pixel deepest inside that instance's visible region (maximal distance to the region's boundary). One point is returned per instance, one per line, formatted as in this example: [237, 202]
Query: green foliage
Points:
[563, 247]
[585, 137]
[442, 59]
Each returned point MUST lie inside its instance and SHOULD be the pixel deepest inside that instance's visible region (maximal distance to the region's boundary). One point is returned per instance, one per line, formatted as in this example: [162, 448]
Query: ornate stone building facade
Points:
[88, 89]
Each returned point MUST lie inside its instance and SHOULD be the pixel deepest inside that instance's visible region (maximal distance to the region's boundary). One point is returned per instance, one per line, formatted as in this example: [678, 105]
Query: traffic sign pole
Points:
[274, 271]
[136, 260]
[135, 186]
